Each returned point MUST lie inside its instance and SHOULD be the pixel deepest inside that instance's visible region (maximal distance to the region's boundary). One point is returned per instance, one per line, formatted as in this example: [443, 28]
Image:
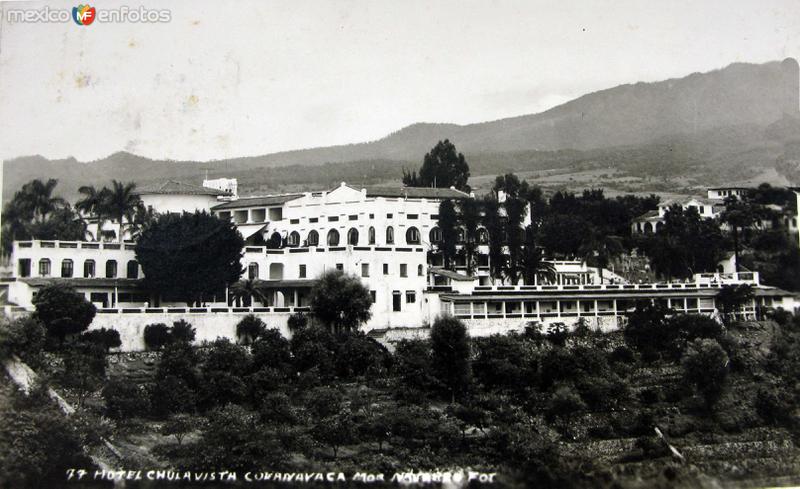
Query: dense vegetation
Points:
[533, 407]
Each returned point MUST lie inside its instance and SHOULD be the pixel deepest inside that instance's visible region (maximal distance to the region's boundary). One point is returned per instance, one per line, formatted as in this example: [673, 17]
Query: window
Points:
[412, 216]
[373, 295]
[111, 269]
[390, 235]
[293, 239]
[313, 238]
[352, 217]
[25, 267]
[133, 269]
[435, 235]
[302, 273]
[389, 216]
[66, 268]
[396, 301]
[386, 269]
[333, 218]
[403, 270]
[88, 269]
[365, 269]
[371, 235]
[313, 219]
[340, 267]
[411, 297]
[294, 221]
[44, 267]
[483, 236]
[333, 237]
[252, 271]
[372, 216]
[420, 270]
[352, 236]
[412, 235]
[461, 236]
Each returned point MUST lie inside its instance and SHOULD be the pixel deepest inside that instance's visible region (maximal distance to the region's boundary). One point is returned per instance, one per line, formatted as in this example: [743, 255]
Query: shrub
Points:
[413, 365]
[705, 365]
[177, 426]
[504, 362]
[125, 400]
[24, 337]
[450, 349]
[774, 405]
[647, 330]
[564, 403]
[156, 336]
[249, 329]
[297, 322]
[172, 395]
[63, 311]
[314, 347]
[223, 370]
[557, 334]
[359, 355]
[622, 354]
[182, 331]
[105, 338]
[322, 402]
[271, 349]
[178, 360]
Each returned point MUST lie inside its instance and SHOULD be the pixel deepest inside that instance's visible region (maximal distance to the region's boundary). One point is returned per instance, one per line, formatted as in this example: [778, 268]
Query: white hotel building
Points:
[384, 235]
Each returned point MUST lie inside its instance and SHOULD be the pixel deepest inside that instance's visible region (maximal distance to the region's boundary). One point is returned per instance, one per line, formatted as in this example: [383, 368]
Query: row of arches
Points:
[353, 237]
[89, 268]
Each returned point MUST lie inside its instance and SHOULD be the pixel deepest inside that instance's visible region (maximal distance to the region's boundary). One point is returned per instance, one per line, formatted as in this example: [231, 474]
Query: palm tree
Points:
[121, 203]
[142, 217]
[36, 199]
[249, 291]
[93, 204]
[599, 250]
[738, 214]
[534, 266]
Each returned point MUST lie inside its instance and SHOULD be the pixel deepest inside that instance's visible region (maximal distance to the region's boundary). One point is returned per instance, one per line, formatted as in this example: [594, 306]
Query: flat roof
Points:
[263, 201]
[171, 187]
[416, 192]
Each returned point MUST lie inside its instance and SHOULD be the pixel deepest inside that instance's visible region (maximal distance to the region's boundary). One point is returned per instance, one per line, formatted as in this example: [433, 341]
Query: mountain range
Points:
[740, 119]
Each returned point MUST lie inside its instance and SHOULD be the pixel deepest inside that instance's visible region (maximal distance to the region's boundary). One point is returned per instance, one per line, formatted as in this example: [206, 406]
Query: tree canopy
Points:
[190, 257]
[340, 301]
[442, 167]
[63, 311]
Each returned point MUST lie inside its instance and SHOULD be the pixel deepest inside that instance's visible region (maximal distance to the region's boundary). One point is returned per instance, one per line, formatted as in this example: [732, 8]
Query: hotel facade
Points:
[386, 236]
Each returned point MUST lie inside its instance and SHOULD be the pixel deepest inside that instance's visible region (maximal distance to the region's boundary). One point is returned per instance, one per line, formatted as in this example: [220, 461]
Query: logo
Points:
[83, 14]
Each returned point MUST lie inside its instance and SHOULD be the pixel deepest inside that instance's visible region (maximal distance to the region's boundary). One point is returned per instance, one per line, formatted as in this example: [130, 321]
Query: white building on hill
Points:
[385, 236]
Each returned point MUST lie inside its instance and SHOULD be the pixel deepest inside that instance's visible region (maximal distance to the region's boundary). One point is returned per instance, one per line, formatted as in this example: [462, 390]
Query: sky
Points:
[226, 79]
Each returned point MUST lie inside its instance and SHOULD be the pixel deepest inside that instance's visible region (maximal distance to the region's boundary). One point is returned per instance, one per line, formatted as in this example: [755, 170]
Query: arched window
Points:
[111, 269]
[252, 271]
[483, 236]
[435, 235]
[412, 235]
[390, 235]
[294, 239]
[66, 268]
[333, 237]
[420, 270]
[88, 269]
[44, 267]
[371, 235]
[275, 241]
[132, 269]
[313, 238]
[461, 235]
[352, 236]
